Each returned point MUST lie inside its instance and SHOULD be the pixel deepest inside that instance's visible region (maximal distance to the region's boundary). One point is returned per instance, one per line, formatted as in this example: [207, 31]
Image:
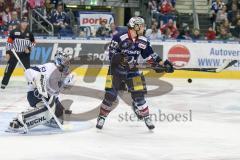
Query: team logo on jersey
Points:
[17, 33]
[142, 46]
[27, 34]
[179, 55]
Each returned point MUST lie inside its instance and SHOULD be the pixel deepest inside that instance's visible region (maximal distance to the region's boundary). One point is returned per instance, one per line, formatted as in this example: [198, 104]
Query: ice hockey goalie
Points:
[44, 82]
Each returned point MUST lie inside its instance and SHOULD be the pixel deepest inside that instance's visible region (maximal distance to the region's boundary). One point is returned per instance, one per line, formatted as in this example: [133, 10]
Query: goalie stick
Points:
[61, 126]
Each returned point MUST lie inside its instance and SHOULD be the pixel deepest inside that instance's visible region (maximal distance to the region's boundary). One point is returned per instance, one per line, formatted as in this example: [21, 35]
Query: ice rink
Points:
[209, 131]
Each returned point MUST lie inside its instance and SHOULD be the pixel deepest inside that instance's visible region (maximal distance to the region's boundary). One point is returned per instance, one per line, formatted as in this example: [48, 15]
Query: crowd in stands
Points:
[62, 19]
[224, 18]
[9, 19]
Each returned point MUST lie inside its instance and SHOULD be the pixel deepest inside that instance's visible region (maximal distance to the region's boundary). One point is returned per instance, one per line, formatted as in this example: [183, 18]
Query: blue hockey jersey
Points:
[141, 46]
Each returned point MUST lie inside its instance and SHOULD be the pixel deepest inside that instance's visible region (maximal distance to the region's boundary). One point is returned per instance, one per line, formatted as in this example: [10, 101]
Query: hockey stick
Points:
[61, 126]
[226, 64]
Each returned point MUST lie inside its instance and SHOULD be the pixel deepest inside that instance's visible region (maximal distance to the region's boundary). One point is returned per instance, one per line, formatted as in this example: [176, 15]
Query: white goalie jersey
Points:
[47, 79]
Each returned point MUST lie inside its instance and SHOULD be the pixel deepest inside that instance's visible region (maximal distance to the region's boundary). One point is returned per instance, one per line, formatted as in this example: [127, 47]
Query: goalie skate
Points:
[16, 127]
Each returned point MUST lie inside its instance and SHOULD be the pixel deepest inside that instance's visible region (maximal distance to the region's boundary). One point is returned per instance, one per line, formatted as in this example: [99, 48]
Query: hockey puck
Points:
[189, 80]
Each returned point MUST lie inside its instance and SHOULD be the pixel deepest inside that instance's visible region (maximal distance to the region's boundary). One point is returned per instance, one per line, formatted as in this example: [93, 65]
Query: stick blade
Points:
[226, 64]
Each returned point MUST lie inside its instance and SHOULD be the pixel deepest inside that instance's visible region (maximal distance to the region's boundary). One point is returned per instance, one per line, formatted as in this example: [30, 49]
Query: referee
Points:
[22, 40]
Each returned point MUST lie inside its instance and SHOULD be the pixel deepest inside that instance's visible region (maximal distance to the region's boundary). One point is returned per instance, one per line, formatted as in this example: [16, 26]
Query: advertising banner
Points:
[94, 18]
[84, 52]
[201, 54]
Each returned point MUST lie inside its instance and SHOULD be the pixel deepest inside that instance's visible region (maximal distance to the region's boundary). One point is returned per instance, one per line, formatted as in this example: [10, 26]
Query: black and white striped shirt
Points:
[20, 40]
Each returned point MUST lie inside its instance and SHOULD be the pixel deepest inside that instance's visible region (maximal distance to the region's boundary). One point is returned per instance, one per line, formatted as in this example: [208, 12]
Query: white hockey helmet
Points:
[62, 61]
[135, 22]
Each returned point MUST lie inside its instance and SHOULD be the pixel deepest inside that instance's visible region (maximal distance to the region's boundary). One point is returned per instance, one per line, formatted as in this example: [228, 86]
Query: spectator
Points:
[225, 24]
[166, 34]
[102, 31]
[232, 14]
[232, 2]
[60, 20]
[7, 16]
[55, 3]
[224, 34]
[170, 29]
[211, 34]
[153, 6]
[9, 29]
[113, 29]
[166, 7]
[184, 32]
[48, 6]
[10, 4]
[221, 15]
[14, 19]
[216, 6]
[173, 3]
[196, 34]
[2, 5]
[236, 30]
[154, 33]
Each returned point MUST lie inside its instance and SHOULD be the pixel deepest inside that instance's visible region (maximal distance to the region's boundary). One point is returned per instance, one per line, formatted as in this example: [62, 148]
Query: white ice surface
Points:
[213, 133]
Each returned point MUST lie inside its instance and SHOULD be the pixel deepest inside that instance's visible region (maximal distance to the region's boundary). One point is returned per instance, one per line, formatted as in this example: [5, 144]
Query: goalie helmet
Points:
[62, 61]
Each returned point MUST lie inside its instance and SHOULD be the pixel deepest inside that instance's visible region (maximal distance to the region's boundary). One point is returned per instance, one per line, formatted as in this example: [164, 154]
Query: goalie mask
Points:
[62, 61]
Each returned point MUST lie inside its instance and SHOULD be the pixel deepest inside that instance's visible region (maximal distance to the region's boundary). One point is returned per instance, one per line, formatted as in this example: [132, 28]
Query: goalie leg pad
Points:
[37, 116]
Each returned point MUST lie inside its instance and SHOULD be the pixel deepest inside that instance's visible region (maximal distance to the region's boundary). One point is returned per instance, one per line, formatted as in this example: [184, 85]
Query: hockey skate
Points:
[149, 123]
[137, 112]
[100, 122]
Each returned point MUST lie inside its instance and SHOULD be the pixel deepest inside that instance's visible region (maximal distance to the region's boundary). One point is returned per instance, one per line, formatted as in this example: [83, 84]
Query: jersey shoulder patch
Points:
[143, 38]
[124, 37]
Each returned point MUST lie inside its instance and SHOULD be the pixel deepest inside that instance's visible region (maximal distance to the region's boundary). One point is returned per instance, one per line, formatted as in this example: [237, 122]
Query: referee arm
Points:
[32, 43]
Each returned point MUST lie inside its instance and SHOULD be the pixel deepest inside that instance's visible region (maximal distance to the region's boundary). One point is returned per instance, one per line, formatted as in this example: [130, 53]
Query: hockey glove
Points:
[168, 66]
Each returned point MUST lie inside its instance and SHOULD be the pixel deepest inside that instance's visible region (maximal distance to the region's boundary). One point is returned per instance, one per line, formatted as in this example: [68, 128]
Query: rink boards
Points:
[102, 72]
[91, 56]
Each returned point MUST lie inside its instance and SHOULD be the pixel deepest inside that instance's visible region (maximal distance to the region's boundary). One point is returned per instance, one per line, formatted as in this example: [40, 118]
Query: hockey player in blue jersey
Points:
[124, 51]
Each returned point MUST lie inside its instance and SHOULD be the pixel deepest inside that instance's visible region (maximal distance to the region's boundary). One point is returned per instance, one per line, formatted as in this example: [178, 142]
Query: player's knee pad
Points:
[39, 115]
